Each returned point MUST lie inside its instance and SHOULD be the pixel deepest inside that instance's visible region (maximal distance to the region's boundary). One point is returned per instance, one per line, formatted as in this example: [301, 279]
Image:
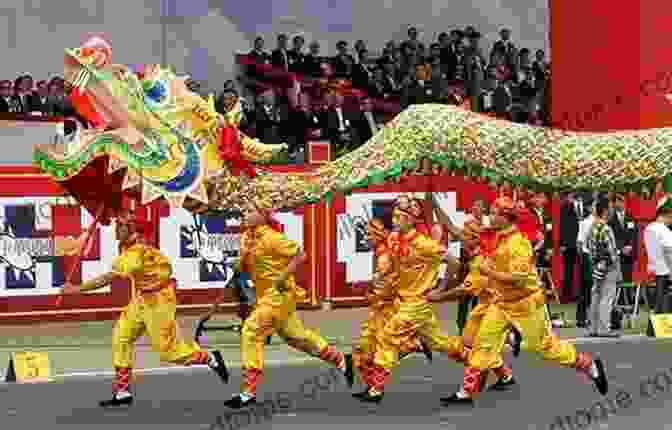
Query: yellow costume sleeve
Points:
[426, 248]
[520, 264]
[254, 151]
[279, 244]
[129, 262]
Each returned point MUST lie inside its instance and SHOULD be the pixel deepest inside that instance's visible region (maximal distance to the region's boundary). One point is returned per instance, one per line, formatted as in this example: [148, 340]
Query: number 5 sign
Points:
[27, 367]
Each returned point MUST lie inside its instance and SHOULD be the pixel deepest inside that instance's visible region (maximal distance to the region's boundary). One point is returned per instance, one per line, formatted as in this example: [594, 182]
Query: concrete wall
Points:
[202, 35]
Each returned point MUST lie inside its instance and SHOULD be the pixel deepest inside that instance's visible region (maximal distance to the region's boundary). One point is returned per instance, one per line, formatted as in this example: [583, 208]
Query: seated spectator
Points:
[459, 71]
[7, 102]
[343, 62]
[434, 60]
[488, 88]
[312, 63]
[423, 89]
[498, 60]
[302, 121]
[364, 123]
[267, 119]
[502, 100]
[474, 48]
[339, 130]
[409, 59]
[279, 56]
[362, 73]
[24, 95]
[295, 56]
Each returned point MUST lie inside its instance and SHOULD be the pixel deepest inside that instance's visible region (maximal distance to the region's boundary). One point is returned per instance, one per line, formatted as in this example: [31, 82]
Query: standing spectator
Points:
[502, 100]
[569, 231]
[268, 121]
[24, 95]
[475, 72]
[626, 232]
[506, 47]
[339, 130]
[295, 56]
[364, 123]
[312, 63]
[41, 99]
[362, 73]
[523, 65]
[586, 277]
[343, 62]
[413, 41]
[539, 66]
[606, 272]
[359, 47]
[460, 64]
[409, 59]
[279, 57]
[7, 103]
[658, 240]
[258, 54]
[474, 48]
[490, 83]
[301, 122]
[434, 60]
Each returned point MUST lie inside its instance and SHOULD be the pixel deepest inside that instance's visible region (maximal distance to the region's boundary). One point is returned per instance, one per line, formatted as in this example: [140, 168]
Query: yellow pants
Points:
[414, 320]
[153, 315]
[275, 312]
[372, 327]
[529, 318]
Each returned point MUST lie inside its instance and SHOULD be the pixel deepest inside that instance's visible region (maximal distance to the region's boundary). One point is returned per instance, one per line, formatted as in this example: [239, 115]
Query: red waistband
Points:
[169, 283]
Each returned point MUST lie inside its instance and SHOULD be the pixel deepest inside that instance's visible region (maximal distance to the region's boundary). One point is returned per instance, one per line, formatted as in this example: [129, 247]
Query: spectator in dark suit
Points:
[24, 94]
[626, 233]
[268, 120]
[502, 100]
[279, 56]
[312, 62]
[362, 73]
[339, 126]
[413, 41]
[343, 62]
[258, 54]
[539, 66]
[295, 56]
[422, 88]
[507, 47]
[363, 122]
[301, 121]
[42, 98]
[569, 232]
[6, 102]
[360, 46]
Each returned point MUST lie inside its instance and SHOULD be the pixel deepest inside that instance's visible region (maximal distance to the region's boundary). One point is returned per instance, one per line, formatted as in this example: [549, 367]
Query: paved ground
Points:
[192, 399]
[78, 347]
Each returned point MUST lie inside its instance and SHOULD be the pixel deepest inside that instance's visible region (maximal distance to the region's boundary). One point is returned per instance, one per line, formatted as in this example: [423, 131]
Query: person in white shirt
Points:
[586, 283]
[658, 241]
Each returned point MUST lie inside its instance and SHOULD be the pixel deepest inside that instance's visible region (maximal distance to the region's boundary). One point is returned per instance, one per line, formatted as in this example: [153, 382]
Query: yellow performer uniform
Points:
[420, 259]
[151, 311]
[382, 303]
[275, 259]
[519, 302]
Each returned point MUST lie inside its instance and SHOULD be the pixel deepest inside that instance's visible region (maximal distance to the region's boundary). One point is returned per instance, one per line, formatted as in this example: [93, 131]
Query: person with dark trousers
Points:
[584, 299]
[626, 232]
[658, 241]
[569, 231]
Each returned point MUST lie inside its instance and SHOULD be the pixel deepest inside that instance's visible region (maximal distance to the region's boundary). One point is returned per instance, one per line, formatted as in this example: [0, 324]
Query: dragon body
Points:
[169, 140]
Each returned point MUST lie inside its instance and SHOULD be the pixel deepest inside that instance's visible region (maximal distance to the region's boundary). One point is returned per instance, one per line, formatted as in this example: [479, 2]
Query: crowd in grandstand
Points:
[343, 98]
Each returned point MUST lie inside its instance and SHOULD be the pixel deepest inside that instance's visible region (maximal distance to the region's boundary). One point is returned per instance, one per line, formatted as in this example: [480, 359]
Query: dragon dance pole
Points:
[84, 245]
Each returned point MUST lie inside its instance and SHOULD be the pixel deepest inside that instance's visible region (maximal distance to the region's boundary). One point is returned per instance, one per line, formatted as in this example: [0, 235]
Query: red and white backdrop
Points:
[34, 215]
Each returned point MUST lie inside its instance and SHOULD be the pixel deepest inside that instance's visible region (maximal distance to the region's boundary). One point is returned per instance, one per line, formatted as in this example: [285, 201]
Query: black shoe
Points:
[582, 324]
[220, 368]
[516, 341]
[237, 402]
[117, 401]
[426, 350]
[361, 395]
[367, 397]
[601, 380]
[349, 371]
[404, 355]
[456, 400]
[268, 340]
[503, 384]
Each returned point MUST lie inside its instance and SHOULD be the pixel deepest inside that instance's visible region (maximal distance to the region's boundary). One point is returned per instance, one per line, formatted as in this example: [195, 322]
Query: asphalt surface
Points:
[302, 396]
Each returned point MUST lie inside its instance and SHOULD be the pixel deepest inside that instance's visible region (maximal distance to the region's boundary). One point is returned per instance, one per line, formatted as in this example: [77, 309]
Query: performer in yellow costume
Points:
[519, 302]
[382, 303]
[476, 287]
[151, 310]
[420, 259]
[276, 259]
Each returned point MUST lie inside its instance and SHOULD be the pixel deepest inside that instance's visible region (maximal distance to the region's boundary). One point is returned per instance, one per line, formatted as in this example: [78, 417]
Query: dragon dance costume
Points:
[420, 259]
[151, 312]
[272, 255]
[382, 303]
[517, 301]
